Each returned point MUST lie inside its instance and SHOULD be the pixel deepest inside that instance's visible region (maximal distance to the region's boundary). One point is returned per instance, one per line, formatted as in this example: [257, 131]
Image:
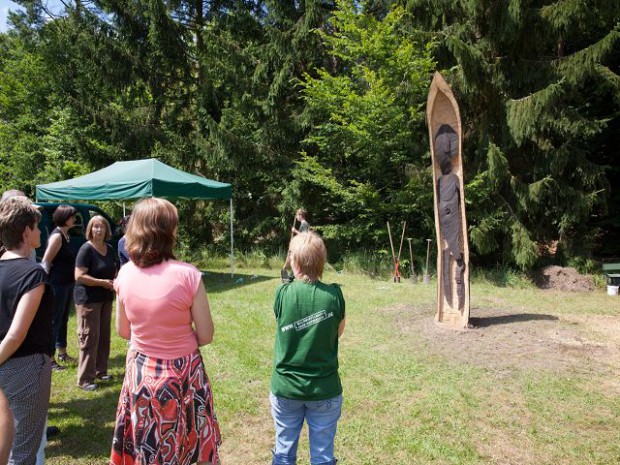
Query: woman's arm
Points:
[82, 277]
[201, 314]
[24, 315]
[53, 246]
[123, 328]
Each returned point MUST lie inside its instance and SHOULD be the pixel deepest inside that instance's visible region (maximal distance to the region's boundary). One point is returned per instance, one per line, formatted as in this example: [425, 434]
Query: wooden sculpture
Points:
[444, 125]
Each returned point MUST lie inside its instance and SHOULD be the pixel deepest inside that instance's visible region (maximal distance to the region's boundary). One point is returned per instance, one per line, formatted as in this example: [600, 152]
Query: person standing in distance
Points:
[304, 226]
[123, 256]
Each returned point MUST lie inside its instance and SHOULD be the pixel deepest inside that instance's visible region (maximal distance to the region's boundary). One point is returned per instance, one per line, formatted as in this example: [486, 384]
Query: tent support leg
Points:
[232, 254]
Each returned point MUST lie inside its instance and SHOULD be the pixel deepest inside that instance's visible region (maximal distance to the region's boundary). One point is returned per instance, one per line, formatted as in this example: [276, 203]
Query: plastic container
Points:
[612, 290]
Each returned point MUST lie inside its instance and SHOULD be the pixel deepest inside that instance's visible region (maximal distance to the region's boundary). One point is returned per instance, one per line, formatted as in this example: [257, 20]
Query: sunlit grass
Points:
[405, 402]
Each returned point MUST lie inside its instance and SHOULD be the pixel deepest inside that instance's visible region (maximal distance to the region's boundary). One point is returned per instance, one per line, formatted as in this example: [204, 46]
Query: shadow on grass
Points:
[508, 319]
[222, 282]
[91, 435]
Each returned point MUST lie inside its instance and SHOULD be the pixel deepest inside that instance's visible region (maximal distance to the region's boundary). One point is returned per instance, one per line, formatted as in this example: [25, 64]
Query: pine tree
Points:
[538, 88]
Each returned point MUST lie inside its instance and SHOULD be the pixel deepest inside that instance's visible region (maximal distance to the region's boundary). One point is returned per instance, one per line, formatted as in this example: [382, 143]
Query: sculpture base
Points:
[452, 320]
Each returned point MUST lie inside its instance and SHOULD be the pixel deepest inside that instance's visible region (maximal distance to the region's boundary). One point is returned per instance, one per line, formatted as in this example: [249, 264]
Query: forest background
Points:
[321, 104]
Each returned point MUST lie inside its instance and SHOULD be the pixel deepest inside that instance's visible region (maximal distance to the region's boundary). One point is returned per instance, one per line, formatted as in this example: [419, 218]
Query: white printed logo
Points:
[308, 321]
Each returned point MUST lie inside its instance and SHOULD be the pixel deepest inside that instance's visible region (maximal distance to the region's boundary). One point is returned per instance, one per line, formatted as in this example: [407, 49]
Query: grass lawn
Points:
[534, 382]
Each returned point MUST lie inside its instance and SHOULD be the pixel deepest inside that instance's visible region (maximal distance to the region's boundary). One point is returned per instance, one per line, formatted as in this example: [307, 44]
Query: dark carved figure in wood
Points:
[450, 221]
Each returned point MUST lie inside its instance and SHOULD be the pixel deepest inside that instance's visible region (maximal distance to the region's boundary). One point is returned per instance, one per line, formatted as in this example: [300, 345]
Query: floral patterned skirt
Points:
[165, 413]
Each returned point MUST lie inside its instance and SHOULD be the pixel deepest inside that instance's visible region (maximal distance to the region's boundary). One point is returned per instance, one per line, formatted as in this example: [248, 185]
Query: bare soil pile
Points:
[563, 279]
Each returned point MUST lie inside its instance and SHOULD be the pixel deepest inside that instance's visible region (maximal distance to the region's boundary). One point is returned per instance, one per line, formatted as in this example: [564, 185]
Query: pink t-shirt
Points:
[158, 302]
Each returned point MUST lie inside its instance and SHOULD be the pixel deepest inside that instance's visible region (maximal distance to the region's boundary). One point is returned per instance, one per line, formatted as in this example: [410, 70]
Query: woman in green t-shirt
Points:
[305, 384]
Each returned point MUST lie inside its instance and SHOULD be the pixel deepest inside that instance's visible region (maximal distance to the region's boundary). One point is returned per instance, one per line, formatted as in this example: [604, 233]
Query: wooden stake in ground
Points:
[400, 249]
[402, 239]
[413, 276]
[427, 278]
[392, 247]
[396, 260]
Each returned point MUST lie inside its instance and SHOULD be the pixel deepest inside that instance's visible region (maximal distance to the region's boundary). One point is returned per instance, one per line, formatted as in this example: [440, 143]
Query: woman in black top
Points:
[59, 262]
[95, 270]
[25, 327]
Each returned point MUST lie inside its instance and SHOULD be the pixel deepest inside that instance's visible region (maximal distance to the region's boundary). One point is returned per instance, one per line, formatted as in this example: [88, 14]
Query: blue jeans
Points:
[322, 418]
[63, 294]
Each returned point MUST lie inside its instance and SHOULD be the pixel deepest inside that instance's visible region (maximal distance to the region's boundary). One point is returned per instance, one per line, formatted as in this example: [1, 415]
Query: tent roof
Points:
[135, 179]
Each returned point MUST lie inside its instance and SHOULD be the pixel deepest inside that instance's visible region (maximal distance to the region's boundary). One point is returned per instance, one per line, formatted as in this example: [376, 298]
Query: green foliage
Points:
[24, 113]
[538, 85]
[502, 276]
[321, 105]
[361, 164]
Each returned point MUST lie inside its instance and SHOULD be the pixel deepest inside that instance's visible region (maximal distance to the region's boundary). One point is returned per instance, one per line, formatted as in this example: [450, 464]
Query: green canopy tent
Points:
[136, 179]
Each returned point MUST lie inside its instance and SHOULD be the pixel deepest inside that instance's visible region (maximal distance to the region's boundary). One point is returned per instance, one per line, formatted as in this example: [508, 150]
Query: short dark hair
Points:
[98, 219]
[151, 232]
[62, 214]
[16, 214]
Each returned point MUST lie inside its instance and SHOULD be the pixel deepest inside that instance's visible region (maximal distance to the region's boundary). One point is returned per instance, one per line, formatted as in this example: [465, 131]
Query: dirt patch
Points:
[505, 341]
[562, 279]
[256, 427]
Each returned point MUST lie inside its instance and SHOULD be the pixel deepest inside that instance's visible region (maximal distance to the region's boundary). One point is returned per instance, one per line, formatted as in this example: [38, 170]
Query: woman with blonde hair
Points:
[305, 383]
[95, 270]
[162, 307]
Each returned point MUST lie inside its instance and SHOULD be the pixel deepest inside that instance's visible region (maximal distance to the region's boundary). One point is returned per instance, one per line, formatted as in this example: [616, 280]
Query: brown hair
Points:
[16, 214]
[308, 255]
[62, 214]
[151, 232]
[98, 219]
[12, 193]
[301, 212]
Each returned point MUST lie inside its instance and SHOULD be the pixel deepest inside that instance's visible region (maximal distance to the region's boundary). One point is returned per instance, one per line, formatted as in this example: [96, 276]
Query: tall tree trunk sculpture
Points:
[444, 123]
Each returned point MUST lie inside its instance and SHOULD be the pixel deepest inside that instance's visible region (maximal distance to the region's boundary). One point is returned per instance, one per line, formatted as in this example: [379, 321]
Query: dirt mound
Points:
[563, 279]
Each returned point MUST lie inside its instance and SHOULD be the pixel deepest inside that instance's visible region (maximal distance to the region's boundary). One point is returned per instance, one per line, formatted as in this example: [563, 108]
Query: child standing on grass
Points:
[305, 383]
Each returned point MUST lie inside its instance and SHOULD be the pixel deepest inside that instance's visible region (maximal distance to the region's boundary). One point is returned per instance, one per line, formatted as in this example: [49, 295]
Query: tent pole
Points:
[232, 254]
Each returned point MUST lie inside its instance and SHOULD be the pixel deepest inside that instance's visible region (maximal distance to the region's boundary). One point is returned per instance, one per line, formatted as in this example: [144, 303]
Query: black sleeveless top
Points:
[63, 265]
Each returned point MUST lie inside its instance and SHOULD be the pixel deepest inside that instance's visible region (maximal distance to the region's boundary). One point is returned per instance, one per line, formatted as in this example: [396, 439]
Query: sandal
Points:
[56, 367]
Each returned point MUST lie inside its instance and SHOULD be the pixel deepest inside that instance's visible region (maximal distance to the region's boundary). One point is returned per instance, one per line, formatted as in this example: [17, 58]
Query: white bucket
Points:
[612, 290]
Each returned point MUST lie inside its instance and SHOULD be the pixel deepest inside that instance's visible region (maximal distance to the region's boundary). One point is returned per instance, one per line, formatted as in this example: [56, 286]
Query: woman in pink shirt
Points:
[165, 411]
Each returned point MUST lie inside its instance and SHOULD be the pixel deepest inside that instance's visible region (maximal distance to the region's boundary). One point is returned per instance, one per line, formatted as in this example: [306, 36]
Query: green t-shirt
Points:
[305, 362]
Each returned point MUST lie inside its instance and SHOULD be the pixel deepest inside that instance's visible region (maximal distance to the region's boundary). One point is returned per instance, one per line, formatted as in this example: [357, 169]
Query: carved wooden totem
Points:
[444, 124]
